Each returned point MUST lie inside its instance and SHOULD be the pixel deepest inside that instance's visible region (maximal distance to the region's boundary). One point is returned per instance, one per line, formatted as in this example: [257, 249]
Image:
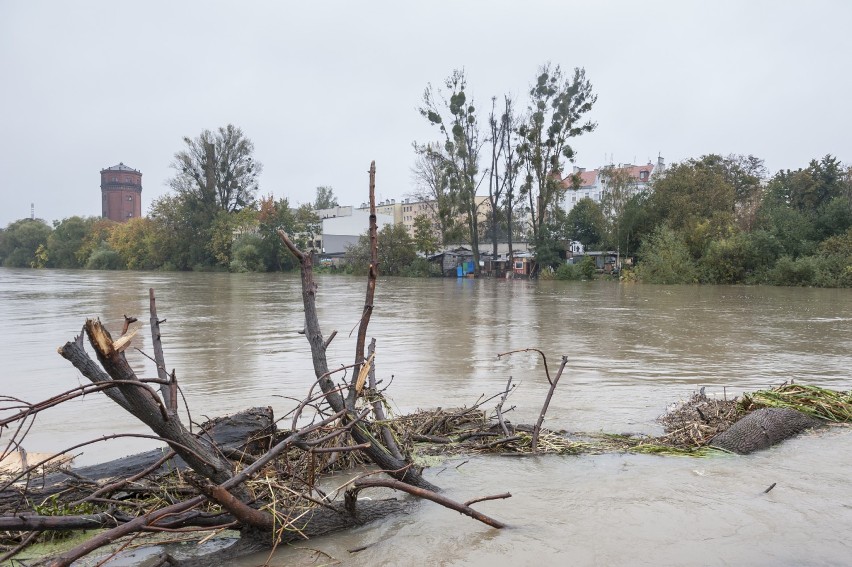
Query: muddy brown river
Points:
[632, 350]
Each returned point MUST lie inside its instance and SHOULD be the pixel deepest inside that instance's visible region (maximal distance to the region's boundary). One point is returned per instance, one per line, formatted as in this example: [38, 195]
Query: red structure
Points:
[121, 193]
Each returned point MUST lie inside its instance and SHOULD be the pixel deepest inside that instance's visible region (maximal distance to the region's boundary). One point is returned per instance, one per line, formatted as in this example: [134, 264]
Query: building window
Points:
[115, 179]
[130, 198]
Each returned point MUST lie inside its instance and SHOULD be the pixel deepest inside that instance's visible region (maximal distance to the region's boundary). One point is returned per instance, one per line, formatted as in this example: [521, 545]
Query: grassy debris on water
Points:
[812, 400]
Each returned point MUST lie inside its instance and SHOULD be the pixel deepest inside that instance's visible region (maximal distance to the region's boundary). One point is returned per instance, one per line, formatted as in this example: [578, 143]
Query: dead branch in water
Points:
[379, 452]
[553, 383]
[428, 495]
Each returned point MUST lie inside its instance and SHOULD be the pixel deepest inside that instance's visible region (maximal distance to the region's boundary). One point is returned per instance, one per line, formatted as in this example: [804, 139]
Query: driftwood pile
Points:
[264, 485]
[699, 419]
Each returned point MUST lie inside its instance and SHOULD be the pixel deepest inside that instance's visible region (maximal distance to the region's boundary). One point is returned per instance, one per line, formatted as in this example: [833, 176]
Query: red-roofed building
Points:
[590, 183]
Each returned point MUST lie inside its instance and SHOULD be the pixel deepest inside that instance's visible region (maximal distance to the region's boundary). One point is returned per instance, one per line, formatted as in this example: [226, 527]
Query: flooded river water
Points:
[632, 350]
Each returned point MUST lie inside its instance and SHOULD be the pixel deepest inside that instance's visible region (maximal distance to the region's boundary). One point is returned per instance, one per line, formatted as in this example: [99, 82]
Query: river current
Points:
[632, 351]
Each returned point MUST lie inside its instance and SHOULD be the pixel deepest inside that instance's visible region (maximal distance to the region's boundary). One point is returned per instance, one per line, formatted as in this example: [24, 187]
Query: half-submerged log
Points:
[762, 429]
[240, 435]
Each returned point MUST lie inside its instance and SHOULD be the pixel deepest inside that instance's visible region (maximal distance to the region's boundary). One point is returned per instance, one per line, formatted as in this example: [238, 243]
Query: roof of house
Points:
[636, 170]
[589, 178]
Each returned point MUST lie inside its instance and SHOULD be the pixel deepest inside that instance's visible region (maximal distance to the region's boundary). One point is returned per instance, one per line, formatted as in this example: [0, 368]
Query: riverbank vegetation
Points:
[711, 219]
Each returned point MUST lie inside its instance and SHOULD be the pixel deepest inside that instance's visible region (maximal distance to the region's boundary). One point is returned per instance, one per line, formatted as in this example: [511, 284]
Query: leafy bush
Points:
[569, 272]
[665, 259]
[588, 268]
[419, 268]
[246, 255]
[105, 258]
[728, 261]
[800, 272]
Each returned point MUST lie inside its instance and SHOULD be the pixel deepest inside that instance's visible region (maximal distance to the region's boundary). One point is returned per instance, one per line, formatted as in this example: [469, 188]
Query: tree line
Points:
[211, 220]
[721, 220]
[711, 219]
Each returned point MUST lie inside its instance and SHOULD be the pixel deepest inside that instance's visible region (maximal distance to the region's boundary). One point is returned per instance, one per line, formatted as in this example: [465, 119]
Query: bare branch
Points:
[428, 495]
[544, 358]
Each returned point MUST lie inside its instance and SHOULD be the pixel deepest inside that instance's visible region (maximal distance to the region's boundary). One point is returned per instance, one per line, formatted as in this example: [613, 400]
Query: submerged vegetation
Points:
[823, 403]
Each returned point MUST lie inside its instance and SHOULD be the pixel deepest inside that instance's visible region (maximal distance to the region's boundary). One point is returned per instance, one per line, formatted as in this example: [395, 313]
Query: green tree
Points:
[586, 223]
[550, 242]
[217, 170]
[635, 223]
[694, 199]
[834, 217]
[793, 229]
[395, 247]
[247, 254]
[66, 240]
[182, 232]
[325, 198]
[808, 189]
[272, 216]
[424, 235]
[104, 258]
[133, 242]
[556, 109]
[836, 255]
[20, 241]
[618, 188]
[664, 258]
[226, 228]
[307, 227]
[98, 232]
[743, 173]
[692, 192]
[728, 260]
[456, 120]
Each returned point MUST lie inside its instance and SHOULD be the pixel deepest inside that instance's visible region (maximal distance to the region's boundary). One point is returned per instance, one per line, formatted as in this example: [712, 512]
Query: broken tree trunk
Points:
[381, 455]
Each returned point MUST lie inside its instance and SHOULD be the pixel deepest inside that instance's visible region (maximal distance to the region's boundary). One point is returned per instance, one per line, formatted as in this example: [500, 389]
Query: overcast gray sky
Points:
[323, 88]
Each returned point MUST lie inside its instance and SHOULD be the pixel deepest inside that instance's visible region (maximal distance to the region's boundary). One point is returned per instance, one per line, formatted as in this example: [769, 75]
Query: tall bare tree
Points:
[618, 185]
[456, 120]
[433, 189]
[496, 178]
[556, 108]
[510, 166]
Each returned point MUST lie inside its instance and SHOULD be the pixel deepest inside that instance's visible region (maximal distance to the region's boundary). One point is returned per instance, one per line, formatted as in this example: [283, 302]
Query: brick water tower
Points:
[121, 193]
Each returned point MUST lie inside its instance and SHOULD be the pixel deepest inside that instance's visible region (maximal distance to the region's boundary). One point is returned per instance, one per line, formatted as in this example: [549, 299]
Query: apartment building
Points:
[593, 184]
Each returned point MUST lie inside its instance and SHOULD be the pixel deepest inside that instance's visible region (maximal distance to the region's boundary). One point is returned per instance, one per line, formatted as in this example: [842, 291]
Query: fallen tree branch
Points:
[484, 498]
[428, 495]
